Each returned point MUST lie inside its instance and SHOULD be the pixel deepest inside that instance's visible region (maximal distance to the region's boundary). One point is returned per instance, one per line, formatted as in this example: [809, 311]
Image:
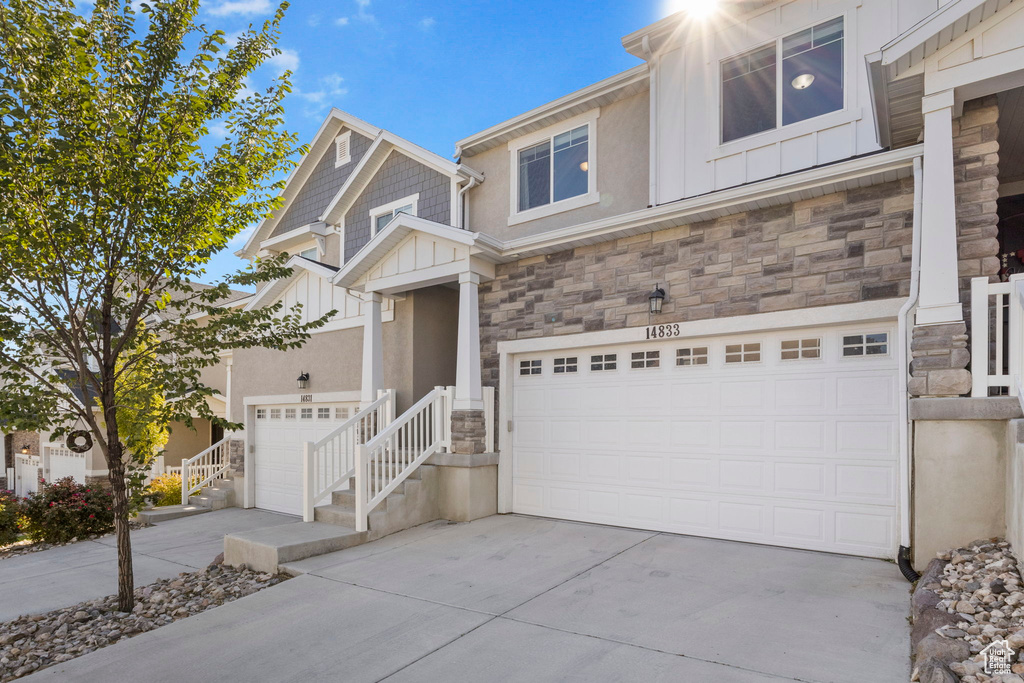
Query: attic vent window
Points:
[342, 149]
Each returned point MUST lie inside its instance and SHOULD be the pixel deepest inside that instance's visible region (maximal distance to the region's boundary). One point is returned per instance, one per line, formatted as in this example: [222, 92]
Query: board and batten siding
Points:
[686, 90]
[321, 186]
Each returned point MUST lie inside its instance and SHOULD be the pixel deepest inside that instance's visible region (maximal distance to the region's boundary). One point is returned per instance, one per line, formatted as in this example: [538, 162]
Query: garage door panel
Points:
[781, 452]
[278, 444]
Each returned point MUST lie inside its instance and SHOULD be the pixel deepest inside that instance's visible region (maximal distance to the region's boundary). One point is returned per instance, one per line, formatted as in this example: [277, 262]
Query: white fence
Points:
[27, 470]
[996, 335]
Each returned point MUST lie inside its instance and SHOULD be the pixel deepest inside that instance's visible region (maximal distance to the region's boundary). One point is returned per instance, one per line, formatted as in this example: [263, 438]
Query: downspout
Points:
[462, 205]
[903, 559]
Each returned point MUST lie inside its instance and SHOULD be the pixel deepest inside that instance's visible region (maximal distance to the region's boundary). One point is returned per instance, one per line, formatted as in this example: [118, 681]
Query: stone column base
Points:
[939, 360]
[469, 432]
[101, 482]
[236, 455]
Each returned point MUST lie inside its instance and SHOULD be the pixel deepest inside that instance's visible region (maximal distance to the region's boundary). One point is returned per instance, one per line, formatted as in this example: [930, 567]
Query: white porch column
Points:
[939, 296]
[468, 389]
[373, 348]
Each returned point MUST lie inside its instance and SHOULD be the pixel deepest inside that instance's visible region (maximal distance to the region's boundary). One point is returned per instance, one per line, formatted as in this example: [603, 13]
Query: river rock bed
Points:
[30, 643]
[966, 599]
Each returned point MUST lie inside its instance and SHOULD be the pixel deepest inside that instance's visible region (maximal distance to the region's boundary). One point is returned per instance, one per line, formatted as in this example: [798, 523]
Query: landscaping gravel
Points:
[30, 643]
[966, 599]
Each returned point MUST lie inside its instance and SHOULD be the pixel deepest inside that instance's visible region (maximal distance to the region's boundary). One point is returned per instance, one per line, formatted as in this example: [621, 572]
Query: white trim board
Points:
[325, 397]
[882, 309]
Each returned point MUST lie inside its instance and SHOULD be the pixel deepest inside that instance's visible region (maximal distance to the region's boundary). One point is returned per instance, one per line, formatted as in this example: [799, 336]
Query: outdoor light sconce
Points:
[25, 450]
[303, 380]
[656, 298]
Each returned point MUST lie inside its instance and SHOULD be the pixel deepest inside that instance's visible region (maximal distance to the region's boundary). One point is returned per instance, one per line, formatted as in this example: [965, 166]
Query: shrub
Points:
[10, 517]
[166, 489]
[65, 509]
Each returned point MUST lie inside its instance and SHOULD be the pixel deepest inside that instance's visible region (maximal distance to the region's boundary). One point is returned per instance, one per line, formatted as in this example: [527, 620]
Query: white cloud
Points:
[427, 23]
[243, 7]
[341, 21]
[313, 20]
[219, 131]
[288, 60]
[334, 84]
[239, 240]
[316, 97]
[363, 14]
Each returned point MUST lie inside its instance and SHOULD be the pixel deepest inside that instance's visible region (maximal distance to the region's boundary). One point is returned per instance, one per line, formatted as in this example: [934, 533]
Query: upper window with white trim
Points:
[757, 95]
[382, 215]
[343, 149]
[555, 169]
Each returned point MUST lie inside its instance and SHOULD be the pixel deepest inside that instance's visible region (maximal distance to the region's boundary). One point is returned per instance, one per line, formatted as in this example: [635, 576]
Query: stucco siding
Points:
[622, 148]
[400, 176]
[184, 442]
[321, 186]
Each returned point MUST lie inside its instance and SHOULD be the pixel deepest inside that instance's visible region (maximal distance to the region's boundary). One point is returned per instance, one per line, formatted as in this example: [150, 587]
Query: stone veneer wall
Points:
[840, 248]
[469, 432]
[236, 456]
[14, 442]
[940, 353]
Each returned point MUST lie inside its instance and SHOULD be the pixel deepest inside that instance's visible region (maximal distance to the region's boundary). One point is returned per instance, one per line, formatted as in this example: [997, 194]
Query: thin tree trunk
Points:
[125, 575]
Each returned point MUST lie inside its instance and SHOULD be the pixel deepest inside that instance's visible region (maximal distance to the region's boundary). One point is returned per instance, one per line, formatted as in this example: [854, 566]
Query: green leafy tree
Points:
[111, 204]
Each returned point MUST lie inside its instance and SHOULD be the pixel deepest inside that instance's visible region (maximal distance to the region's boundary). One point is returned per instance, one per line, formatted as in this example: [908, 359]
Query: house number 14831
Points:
[663, 331]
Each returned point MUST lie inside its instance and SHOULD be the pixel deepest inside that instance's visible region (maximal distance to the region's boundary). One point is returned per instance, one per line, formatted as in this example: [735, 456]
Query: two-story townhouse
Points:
[724, 293]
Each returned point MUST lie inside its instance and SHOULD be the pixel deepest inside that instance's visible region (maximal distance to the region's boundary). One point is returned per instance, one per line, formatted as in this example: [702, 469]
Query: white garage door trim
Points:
[278, 433]
[858, 519]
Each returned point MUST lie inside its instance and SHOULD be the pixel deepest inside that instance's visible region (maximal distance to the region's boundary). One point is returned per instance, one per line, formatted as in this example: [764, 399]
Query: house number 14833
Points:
[663, 331]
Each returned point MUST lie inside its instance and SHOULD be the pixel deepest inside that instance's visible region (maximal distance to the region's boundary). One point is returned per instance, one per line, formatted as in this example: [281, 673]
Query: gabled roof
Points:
[299, 265]
[619, 86]
[382, 147]
[332, 125]
[895, 75]
[396, 230]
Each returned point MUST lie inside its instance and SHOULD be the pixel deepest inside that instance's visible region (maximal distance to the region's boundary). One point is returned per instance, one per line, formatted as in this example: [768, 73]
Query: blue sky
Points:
[434, 72]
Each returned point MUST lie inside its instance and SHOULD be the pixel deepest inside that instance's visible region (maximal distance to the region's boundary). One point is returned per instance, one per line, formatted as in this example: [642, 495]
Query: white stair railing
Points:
[997, 335]
[388, 459]
[199, 470]
[329, 463]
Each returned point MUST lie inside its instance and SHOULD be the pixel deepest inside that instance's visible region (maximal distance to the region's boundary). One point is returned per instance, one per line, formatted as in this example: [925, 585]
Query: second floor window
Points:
[555, 169]
[757, 94]
[382, 215]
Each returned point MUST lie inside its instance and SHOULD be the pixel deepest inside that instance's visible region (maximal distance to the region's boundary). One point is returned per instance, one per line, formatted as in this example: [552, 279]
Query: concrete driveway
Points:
[512, 598]
[59, 577]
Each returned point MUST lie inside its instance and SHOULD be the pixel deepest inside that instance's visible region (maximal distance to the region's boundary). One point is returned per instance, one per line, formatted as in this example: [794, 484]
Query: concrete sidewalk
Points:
[60, 577]
[512, 598]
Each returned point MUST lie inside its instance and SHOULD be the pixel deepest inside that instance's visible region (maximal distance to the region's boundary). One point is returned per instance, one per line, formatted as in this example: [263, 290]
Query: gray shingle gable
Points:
[399, 176]
[321, 186]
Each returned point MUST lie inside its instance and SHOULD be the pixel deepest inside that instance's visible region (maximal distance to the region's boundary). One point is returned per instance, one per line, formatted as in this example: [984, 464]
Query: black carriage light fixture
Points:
[25, 450]
[303, 380]
[656, 299]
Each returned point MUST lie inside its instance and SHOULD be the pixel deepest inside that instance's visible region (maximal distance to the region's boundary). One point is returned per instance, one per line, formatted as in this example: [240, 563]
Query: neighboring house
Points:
[49, 457]
[781, 170]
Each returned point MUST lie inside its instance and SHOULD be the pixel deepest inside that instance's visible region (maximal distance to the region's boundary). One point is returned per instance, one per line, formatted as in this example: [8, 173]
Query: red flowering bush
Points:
[10, 517]
[65, 509]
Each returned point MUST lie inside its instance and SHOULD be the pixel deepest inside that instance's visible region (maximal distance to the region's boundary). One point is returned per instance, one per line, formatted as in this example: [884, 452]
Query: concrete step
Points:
[267, 548]
[167, 512]
[347, 497]
[211, 502]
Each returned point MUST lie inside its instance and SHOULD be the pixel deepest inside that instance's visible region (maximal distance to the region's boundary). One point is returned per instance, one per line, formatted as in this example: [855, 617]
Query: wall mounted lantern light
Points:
[25, 450]
[303, 380]
[656, 299]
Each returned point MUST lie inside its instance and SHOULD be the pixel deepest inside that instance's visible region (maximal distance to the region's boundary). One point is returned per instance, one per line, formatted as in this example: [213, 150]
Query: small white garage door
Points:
[280, 431]
[784, 438]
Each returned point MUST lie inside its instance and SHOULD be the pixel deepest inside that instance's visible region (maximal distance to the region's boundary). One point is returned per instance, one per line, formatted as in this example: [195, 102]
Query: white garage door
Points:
[781, 438]
[280, 431]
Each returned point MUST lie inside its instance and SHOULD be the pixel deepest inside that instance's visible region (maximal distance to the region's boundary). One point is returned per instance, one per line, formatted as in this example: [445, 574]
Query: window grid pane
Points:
[876, 344]
[289, 413]
[645, 359]
[695, 356]
[307, 413]
[530, 367]
[796, 349]
[275, 413]
[743, 353]
[565, 365]
[603, 362]
[535, 176]
[323, 413]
